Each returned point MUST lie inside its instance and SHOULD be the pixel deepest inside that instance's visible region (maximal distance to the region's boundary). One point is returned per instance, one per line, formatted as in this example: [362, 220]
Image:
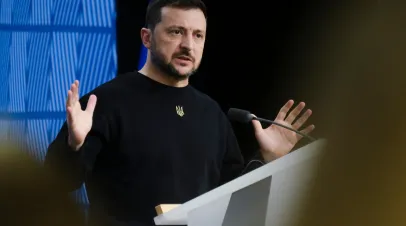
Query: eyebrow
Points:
[183, 28]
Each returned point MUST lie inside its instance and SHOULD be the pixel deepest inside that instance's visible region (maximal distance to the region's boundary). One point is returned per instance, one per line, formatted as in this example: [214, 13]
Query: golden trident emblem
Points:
[179, 111]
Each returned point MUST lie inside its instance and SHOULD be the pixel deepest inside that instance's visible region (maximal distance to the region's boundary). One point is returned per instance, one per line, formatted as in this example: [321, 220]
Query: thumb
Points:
[257, 126]
[91, 104]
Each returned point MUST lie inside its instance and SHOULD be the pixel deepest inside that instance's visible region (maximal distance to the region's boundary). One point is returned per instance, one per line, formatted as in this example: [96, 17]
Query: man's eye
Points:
[176, 32]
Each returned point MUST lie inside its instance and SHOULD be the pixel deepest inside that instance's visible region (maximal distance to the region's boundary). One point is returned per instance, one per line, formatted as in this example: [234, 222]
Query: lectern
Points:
[269, 195]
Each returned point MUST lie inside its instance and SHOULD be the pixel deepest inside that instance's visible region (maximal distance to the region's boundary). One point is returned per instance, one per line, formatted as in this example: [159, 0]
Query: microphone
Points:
[246, 117]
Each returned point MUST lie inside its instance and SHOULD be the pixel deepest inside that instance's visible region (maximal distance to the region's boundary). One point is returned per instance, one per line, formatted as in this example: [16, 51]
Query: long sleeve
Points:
[233, 162]
[71, 166]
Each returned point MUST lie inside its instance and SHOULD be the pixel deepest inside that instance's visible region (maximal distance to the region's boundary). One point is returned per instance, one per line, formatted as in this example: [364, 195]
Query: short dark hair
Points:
[154, 16]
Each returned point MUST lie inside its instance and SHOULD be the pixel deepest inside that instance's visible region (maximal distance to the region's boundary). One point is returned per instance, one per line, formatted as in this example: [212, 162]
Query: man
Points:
[152, 138]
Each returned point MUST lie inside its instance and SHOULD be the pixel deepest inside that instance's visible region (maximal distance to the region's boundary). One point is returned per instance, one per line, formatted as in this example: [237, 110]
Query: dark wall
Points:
[130, 19]
[254, 57]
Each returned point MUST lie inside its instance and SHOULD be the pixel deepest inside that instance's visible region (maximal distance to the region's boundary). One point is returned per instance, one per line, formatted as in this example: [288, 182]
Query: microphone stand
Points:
[286, 127]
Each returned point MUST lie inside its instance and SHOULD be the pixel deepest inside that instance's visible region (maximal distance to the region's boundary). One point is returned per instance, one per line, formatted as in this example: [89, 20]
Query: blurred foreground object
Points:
[362, 178]
[28, 196]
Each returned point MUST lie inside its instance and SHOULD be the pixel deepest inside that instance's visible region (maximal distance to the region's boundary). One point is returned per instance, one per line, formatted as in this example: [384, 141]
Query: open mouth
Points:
[184, 58]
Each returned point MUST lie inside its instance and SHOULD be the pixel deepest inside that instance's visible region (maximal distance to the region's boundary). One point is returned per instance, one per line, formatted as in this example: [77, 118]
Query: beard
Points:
[168, 68]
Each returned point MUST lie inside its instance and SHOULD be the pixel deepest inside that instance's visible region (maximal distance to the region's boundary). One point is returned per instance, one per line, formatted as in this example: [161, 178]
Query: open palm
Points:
[276, 141]
[79, 121]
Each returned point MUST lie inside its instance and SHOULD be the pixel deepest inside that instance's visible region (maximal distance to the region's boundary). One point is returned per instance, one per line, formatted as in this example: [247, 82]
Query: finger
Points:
[284, 110]
[302, 120]
[74, 89]
[69, 99]
[91, 104]
[77, 89]
[308, 129]
[305, 131]
[257, 126]
[295, 112]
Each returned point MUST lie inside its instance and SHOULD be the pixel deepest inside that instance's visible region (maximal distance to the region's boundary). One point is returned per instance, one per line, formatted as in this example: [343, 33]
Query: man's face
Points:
[178, 41]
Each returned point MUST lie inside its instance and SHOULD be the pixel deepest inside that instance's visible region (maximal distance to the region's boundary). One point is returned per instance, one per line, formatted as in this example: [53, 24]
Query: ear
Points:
[146, 37]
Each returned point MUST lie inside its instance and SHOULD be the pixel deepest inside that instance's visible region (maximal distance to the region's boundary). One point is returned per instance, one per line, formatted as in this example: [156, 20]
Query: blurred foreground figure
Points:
[28, 194]
[362, 177]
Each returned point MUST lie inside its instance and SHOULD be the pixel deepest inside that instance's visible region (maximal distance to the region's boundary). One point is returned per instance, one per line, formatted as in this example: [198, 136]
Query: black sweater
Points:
[150, 144]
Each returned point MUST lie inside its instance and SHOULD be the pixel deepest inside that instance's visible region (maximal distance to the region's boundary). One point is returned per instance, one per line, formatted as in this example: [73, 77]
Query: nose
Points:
[187, 42]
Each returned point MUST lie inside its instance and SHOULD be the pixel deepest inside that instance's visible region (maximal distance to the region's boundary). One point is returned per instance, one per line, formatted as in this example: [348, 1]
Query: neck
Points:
[154, 73]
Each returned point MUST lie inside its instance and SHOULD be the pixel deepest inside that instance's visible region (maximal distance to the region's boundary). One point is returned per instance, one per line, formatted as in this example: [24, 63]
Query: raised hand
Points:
[276, 141]
[79, 121]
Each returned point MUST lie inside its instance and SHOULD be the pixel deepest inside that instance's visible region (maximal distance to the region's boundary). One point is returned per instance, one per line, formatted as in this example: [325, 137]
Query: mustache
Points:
[184, 55]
